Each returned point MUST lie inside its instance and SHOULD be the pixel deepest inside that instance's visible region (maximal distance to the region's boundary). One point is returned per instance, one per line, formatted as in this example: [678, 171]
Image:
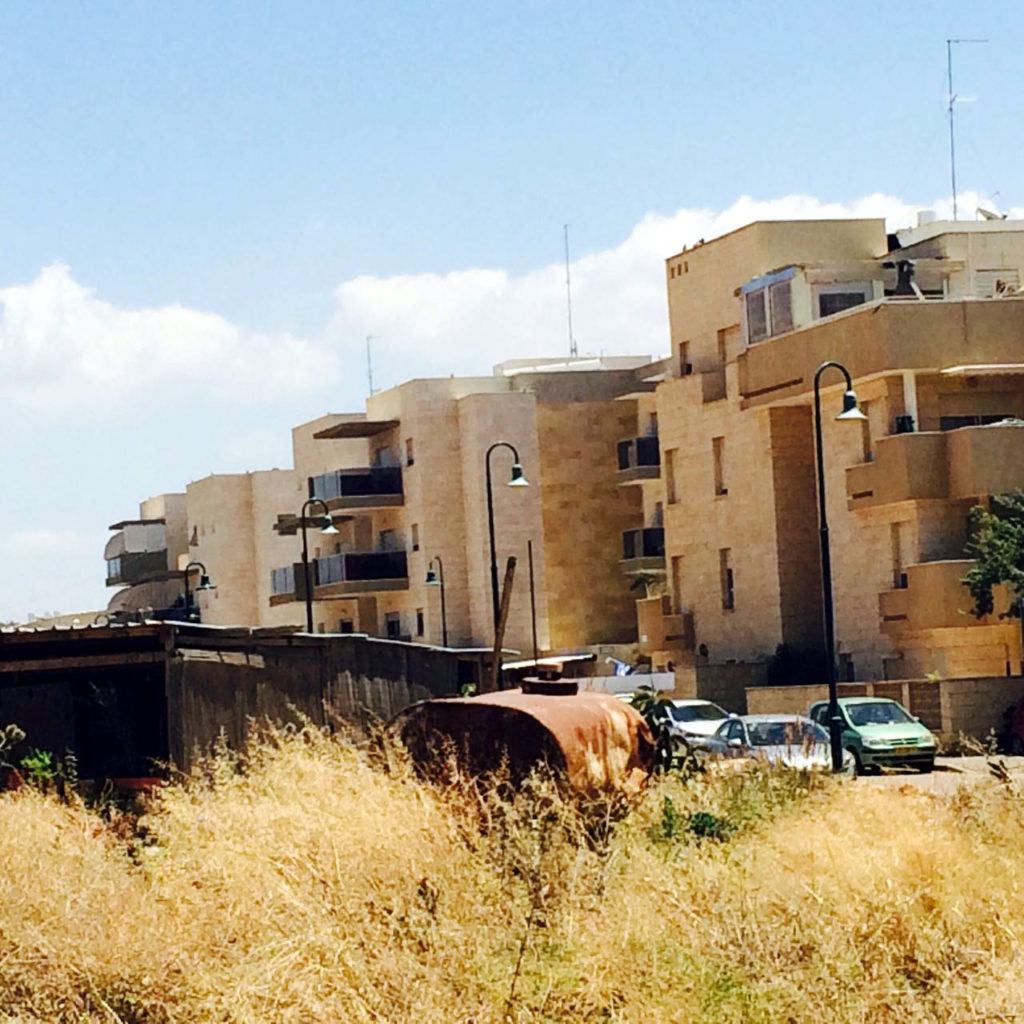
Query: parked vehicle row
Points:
[876, 733]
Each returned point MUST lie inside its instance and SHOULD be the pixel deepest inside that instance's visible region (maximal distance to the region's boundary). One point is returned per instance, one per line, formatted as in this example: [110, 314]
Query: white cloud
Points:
[64, 348]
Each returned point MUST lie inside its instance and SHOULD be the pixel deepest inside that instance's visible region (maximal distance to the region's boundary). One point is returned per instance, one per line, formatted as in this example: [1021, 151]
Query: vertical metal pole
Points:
[187, 597]
[533, 601]
[490, 531]
[952, 99]
[835, 721]
[444, 612]
[305, 574]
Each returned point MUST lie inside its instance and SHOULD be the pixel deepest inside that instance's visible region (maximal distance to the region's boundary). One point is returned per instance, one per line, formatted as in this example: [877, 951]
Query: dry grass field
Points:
[317, 884]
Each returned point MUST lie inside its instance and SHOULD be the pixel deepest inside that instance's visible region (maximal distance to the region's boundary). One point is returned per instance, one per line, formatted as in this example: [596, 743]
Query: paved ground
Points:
[950, 773]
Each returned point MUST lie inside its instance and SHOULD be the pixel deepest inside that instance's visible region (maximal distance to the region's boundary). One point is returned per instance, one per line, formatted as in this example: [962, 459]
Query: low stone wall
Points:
[949, 707]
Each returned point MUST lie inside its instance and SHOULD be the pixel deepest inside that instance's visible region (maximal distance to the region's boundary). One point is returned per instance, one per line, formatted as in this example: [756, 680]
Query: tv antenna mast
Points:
[369, 361]
[573, 351]
[952, 102]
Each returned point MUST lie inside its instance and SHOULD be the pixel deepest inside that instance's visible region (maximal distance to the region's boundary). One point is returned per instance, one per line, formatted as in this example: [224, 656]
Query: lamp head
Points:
[204, 582]
[327, 525]
[518, 480]
[432, 580]
[851, 411]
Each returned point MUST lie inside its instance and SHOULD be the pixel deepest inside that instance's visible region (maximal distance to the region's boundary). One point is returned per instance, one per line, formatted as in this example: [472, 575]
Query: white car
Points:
[695, 720]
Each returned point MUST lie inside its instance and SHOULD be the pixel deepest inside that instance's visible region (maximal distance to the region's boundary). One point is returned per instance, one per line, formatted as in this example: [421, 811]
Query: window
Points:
[670, 475]
[757, 316]
[388, 541]
[685, 366]
[677, 583]
[831, 303]
[718, 456]
[780, 296]
[419, 622]
[415, 536]
[722, 350]
[393, 625]
[409, 459]
[346, 626]
[956, 422]
[865, 434]
[726, 580]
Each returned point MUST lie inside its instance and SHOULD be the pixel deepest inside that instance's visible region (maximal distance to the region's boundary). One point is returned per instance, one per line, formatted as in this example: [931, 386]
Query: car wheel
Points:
[858, 765]
[1017, 745]
[928, 766]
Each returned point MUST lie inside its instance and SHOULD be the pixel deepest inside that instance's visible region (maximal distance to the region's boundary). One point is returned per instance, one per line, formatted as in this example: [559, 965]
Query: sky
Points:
[205, 208]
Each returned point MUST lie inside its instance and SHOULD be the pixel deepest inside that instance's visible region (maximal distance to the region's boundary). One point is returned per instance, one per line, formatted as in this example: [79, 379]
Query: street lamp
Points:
[850, 412]
[516, 480]
[204, 584]
[327, 528]
[436, 579]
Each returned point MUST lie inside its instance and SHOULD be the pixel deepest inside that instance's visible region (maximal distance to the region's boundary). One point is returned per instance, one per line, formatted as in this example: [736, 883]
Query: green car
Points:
[880, 732]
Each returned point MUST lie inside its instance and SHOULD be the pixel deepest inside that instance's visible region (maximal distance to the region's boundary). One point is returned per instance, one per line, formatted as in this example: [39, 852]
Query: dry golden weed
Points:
[314, 885]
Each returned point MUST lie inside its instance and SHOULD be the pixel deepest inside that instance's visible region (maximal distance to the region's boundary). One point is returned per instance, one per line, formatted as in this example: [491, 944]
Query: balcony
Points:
[639, 459]
[137, 553]
[136, 567]
[342, 575]
[883, 336]
[372, 487]
[933, 598]
[659, 629]
[955, 464]
[643, 551]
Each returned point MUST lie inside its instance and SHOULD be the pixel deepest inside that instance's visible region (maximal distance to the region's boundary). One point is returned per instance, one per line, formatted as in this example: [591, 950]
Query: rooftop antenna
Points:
[573, 351]
[369, 361]
[952, 102]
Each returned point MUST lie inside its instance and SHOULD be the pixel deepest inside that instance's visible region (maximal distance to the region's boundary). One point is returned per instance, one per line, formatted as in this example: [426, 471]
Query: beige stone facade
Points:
[930, 325]
[406, 484]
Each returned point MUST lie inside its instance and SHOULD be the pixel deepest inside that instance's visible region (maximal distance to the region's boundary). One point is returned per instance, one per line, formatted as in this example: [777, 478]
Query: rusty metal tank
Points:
[598, 742]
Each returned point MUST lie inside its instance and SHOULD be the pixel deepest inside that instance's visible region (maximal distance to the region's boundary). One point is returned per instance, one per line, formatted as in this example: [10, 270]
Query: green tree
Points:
[996, 543]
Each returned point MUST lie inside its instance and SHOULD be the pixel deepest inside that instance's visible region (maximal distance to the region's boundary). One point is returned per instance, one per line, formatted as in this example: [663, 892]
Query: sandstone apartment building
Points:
[930, 323]
[405, 483]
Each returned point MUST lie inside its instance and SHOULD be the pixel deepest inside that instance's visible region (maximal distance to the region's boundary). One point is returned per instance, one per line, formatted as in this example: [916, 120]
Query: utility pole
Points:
[952, 101]
[573, 351]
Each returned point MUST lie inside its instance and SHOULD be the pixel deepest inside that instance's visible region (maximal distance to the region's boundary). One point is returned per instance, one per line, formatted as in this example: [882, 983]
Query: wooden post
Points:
[499, 632]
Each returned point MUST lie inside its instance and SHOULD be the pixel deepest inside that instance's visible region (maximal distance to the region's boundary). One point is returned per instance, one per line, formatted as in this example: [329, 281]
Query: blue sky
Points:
[184, 186]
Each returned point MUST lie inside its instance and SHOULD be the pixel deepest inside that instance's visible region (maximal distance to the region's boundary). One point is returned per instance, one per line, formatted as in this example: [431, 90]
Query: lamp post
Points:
[204, 584]
[327, 528]
[850, 412]
[517, 480]
[435, 579]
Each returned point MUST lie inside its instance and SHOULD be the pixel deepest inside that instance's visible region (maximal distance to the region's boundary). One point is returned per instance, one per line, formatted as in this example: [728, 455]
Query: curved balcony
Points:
[371, 487]
[643, 551]
[953, 464]
[639, 459]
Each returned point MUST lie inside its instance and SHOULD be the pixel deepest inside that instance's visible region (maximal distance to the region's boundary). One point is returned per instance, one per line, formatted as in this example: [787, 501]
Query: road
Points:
[950, 774]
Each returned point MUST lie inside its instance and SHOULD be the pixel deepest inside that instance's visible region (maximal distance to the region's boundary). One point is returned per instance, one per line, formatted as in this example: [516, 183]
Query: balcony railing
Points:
[359, 488]
[639, 459]
[282, 581]
[135, 567]
[643, 551]
[360, 567]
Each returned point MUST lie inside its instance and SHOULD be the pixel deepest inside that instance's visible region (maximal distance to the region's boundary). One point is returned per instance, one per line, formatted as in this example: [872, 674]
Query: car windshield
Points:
[785, 734]
[877, 714]
[698, 713]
